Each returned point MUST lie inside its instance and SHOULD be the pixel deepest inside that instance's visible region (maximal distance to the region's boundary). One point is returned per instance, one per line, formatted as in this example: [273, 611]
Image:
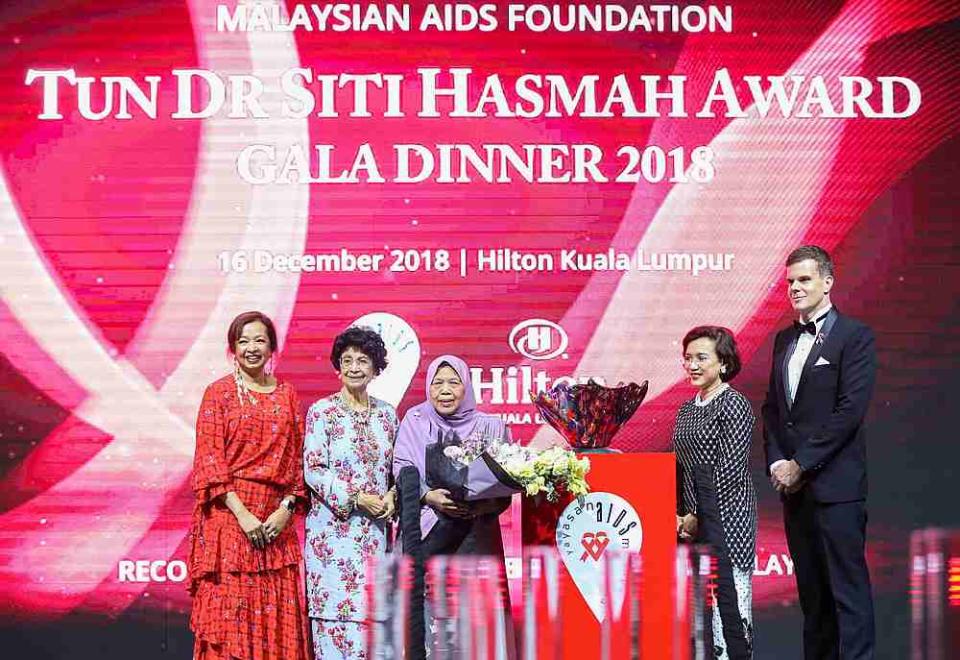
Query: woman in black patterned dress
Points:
[717, 504]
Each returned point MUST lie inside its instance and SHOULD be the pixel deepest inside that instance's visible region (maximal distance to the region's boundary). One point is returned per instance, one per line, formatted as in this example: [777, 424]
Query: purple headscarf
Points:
[422, 423]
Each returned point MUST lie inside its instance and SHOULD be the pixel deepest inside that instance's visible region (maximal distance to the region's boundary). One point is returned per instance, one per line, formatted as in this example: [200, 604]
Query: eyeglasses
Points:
[687, 363]
[362, 362]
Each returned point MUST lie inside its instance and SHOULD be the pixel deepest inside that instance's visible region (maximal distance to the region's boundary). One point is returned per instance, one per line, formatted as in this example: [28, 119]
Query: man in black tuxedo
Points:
[821, 381]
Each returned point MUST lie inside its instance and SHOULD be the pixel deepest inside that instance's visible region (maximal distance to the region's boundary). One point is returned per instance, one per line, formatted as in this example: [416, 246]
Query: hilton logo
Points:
[538, 339]
[587, 530]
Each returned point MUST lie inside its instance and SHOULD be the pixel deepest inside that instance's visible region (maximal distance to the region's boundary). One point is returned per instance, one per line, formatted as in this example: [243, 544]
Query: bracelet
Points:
[289, 503]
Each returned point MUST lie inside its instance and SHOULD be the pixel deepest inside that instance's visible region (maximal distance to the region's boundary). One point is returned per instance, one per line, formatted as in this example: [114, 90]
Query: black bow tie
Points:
[809, 326]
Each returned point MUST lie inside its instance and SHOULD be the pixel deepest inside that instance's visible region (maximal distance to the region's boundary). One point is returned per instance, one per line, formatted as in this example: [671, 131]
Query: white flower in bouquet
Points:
[454, 452]
[547, 471]
[540, 472]
[536, 486]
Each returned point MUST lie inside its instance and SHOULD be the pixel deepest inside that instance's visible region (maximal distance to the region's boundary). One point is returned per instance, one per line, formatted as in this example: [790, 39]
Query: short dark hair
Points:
[237, 325]
[365, 340]
[725, 346]
[815, 252]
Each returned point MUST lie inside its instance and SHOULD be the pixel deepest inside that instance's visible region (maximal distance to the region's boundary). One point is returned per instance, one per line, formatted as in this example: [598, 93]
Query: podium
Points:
[631, 506]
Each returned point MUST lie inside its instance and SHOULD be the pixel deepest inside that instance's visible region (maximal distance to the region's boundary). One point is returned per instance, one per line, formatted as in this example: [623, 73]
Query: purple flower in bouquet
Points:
[589, 415]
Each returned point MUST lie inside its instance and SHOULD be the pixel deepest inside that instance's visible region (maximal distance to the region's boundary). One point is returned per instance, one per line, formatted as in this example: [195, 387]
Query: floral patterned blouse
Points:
[345, 452]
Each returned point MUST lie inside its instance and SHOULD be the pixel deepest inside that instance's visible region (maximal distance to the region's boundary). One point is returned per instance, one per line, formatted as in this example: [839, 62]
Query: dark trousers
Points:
[710, 532]
[827, 545]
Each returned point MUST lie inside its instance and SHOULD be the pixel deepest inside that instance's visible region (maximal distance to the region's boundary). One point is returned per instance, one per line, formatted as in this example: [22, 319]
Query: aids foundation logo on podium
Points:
[590, 527]
[538, 339]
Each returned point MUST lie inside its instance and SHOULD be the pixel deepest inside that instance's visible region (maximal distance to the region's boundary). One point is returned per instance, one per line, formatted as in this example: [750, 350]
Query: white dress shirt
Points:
[805, 344]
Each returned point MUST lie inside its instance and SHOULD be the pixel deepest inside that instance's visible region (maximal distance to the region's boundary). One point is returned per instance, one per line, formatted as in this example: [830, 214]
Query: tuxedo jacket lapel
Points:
[822, 338]
[784, 362]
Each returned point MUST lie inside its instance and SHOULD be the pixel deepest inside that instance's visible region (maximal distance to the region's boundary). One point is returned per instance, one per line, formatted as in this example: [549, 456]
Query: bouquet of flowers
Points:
[470, 477]
[480, 468]
[466, 469]
[536, 472]
[589, 415]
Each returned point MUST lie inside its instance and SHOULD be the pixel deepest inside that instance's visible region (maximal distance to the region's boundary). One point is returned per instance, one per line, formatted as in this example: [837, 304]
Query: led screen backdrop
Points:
[546, 196]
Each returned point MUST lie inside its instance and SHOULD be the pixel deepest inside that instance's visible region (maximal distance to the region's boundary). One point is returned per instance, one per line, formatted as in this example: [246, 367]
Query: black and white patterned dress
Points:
[712, 443]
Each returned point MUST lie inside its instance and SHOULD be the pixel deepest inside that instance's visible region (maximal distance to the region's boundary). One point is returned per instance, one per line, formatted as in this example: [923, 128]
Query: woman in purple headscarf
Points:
[445, 525]
[451, 408]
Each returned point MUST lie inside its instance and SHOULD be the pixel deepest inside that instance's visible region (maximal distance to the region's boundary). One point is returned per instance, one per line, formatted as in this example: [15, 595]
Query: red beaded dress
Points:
[247, 602]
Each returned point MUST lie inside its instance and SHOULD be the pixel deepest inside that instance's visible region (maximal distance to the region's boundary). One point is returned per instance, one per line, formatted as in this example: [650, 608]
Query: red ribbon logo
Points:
[594, 544]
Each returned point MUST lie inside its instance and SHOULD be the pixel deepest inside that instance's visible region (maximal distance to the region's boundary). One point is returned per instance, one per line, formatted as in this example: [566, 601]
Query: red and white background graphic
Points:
[129, 239]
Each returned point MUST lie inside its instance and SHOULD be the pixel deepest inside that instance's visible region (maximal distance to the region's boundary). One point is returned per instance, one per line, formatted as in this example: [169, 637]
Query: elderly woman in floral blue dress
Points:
[348, 450]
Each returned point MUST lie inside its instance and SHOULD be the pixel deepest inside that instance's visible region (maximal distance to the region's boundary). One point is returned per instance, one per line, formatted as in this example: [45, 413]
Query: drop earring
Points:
[242, 391]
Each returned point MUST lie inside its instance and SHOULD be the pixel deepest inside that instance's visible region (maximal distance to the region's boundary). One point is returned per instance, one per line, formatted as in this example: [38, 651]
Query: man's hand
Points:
[371, 504]
[774, 482]
[440, 501]
[276, 522]
[785, 476]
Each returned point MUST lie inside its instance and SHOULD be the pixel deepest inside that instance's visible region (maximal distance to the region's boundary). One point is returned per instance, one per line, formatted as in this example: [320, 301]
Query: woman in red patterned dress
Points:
[248, 476]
